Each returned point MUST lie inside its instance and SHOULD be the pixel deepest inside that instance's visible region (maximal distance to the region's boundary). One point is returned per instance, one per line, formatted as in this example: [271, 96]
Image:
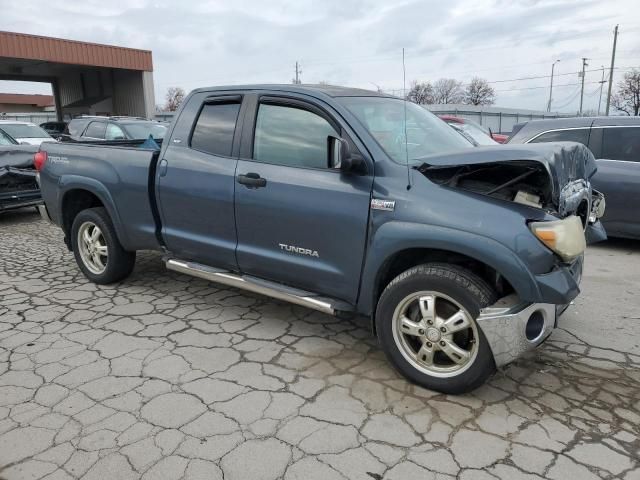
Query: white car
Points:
[25, 132]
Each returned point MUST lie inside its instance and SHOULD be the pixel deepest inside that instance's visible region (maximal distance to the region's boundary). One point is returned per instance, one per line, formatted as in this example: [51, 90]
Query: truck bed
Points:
[122, 176]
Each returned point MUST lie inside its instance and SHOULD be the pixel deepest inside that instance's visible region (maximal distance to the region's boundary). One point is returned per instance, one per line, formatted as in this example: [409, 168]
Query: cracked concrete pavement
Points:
[169, 377]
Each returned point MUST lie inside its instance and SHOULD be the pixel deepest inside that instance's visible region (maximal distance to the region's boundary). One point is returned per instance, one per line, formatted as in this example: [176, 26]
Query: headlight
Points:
[565, 237]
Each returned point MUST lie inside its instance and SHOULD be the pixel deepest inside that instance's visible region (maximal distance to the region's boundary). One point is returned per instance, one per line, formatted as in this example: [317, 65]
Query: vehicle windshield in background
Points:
[20, 130]
[6, 139]
[476, 133]
[384, 118]
[142, 130]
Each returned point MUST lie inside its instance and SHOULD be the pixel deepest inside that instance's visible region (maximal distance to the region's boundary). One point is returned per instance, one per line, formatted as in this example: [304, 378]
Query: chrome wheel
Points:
[435, 334]
[92, 247]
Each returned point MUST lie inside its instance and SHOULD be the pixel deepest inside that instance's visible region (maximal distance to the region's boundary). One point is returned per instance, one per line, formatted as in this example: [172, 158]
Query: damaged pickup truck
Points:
[18, 186]
[347, 202]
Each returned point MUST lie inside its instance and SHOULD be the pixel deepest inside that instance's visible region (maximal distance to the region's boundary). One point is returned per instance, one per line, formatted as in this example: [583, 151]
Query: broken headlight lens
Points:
[565, 237]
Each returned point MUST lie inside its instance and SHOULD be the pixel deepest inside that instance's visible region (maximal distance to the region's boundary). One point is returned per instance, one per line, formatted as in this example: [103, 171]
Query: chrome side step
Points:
[263, 287]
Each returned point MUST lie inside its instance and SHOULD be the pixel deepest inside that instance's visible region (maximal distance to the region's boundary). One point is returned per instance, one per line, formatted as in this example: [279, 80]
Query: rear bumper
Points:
[13, 200]
[513, 328]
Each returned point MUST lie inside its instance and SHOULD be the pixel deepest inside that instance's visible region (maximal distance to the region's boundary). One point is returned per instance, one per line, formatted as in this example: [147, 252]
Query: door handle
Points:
[252, 180]
[162, 167]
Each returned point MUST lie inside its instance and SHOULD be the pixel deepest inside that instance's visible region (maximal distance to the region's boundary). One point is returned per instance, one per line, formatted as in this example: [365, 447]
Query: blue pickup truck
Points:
[348, 202]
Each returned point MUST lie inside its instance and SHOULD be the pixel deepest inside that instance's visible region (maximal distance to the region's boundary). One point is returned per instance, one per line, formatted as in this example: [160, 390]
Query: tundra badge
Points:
[299, 250]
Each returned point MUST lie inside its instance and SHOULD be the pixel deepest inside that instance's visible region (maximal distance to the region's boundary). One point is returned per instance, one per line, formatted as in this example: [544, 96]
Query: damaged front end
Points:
[554, 177]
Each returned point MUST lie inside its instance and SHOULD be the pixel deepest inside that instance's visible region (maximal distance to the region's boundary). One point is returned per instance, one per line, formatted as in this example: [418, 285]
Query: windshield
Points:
[24, 130]
[142, 130]
[479, 136]
[384, 118]
[6, 139]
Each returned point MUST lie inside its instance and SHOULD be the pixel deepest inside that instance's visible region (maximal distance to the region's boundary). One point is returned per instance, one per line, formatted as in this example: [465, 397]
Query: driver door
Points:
[298, 221]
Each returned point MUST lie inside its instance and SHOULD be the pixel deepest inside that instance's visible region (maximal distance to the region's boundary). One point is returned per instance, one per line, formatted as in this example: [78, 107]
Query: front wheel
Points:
[426, 323]
[96, 247]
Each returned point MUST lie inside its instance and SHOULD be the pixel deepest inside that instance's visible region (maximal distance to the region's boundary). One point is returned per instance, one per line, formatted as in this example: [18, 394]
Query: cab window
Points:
[215, 128]
[291, 136]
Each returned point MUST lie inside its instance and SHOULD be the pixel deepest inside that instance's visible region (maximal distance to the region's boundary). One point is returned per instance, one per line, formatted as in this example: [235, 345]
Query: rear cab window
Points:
[215, 126]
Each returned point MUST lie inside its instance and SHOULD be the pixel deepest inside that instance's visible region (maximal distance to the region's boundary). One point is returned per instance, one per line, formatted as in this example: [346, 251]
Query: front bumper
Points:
[513, 328]
[562, 284]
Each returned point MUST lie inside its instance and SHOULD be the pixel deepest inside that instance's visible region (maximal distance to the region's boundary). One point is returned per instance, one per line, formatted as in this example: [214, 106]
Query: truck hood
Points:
[555, 176]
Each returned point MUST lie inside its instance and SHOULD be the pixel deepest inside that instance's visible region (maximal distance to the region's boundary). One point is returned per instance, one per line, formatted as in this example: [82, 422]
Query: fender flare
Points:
[67, 183]
[394, 237]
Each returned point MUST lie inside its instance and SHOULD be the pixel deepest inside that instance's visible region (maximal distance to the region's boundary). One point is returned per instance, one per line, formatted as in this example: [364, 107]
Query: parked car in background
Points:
[462, 257]
[114, 128]
[25, 132]
[615, 143]
[473, 134]
[474, 127]
[55, 129]
[18, 187]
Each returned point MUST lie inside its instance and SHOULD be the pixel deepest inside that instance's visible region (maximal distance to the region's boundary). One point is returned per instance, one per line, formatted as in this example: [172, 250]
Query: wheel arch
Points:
[81, 193]
[398, 247]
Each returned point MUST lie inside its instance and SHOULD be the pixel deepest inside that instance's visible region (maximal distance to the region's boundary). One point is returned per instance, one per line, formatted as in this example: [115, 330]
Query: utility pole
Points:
[297, 80]
[602, 82]
[551, 86]
[613, 61]
[584, 64]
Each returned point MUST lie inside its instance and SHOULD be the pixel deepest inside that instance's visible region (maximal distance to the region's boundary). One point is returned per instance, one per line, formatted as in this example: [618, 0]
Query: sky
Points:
[357, 43]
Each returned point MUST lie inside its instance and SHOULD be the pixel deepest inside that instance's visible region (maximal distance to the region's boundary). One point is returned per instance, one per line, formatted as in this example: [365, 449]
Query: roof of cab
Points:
[330, 90]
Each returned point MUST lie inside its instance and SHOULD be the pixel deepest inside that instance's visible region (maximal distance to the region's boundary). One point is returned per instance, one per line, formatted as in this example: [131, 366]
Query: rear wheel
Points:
[96, 247]
[426, 323]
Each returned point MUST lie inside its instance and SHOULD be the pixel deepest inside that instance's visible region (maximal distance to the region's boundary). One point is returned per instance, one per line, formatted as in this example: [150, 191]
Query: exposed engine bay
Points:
[552, 176]
[522, 182]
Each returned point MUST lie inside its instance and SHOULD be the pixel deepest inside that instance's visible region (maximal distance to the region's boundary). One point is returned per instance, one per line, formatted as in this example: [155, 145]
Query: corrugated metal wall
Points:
[129, 97]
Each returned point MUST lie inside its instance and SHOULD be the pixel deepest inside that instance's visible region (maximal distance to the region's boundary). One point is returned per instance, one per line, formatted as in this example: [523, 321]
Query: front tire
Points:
[96, 247]
[426, 324]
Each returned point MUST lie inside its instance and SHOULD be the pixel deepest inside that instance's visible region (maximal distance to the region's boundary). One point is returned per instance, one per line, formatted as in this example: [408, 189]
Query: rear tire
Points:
[426, 324]
[96, 247]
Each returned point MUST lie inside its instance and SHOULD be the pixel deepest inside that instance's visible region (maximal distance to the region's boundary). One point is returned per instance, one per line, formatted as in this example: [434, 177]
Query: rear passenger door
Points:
[299, 222]
[196, 181]
[617, 151]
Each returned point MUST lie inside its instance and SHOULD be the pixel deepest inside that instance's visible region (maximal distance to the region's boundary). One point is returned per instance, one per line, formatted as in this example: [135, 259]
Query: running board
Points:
[258, 285]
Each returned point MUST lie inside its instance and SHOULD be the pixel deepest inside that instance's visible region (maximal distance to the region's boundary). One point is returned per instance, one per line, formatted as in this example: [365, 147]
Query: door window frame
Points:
[283, 100]
[234, 98]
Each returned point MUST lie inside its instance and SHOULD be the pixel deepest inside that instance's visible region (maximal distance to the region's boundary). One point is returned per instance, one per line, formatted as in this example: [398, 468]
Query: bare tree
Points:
[627, 97]
[173, 99]
[447, 90]
[421, 93]
[479, 92]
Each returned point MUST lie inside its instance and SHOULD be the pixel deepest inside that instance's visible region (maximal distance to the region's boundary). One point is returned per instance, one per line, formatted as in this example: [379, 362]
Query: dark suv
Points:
[114, 128]
[615, 142]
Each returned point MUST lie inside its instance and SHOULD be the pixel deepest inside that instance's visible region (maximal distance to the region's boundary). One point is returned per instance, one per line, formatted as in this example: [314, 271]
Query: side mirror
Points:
[341, 157]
